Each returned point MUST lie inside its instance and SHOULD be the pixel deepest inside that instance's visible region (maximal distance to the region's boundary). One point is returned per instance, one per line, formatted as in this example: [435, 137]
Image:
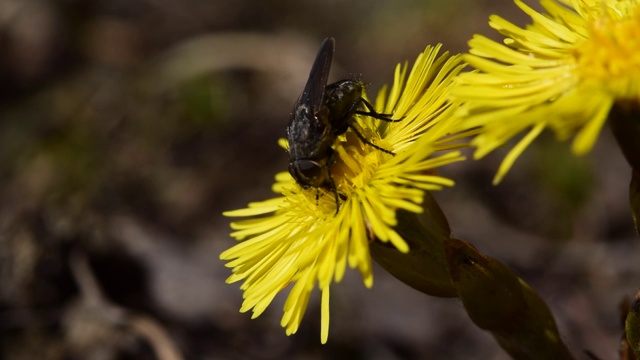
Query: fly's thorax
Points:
[341, 99]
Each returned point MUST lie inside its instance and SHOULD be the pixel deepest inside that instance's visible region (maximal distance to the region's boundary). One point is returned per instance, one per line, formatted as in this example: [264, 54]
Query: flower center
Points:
[355, 161]
[611, 55]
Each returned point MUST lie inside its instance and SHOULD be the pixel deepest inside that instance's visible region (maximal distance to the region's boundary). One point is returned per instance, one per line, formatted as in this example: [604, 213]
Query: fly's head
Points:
[309, 173]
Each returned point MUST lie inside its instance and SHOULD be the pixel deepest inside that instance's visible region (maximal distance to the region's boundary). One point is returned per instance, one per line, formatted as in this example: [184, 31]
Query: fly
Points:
[322, 113]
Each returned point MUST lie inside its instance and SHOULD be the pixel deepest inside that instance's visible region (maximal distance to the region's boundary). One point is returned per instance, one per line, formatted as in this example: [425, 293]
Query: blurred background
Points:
[128, 126]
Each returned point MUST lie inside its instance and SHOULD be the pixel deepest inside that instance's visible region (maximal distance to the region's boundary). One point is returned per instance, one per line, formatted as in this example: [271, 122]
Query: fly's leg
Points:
[364, 140]
[373, 113]
[332, 184]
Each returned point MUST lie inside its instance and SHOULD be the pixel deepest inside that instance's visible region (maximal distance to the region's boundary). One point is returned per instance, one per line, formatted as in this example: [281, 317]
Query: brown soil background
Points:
[128, 126]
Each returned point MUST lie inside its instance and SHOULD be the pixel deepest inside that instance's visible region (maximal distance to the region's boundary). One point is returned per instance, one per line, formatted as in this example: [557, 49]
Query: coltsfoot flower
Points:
[298, 240]
[565, 71]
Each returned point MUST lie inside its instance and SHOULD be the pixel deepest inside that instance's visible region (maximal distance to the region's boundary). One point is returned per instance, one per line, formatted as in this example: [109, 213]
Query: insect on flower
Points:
[321, 114]
[288, 244]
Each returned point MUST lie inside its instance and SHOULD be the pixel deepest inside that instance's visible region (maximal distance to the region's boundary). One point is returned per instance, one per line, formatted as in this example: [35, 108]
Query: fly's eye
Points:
[308, 173]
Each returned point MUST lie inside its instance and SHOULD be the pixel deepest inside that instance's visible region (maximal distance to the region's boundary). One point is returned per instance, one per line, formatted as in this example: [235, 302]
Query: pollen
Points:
[356, 161]
[611, 55]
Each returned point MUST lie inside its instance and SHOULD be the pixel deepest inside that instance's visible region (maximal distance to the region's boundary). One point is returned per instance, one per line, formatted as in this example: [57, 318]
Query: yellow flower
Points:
[298, 239]
[564, 71]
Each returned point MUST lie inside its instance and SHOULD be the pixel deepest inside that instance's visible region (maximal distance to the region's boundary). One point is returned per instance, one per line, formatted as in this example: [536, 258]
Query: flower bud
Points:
[624, 119]
[634, 198]
[424, 266]
[498, 301]
[632, 326]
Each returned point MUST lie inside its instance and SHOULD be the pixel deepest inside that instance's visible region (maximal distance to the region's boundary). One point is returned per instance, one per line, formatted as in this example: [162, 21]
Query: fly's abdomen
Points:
[309, 136]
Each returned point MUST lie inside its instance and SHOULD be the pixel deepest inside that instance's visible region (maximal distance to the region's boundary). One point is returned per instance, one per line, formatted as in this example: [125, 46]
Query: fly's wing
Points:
[313, 93]
[307, 128]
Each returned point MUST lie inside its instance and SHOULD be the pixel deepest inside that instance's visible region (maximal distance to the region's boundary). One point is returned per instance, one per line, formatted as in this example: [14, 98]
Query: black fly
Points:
[321, 114]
